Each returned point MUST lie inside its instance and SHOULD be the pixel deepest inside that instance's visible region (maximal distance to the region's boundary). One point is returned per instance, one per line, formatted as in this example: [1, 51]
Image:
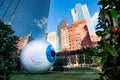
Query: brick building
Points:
[75, 36]
[23, 41]
[95, 39]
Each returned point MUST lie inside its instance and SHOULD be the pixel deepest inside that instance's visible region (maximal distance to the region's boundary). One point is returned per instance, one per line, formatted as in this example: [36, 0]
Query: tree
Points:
[8, 50]
[109, 47]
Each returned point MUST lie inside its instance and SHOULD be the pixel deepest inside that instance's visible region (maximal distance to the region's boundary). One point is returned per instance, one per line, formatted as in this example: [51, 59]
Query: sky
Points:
[60, 9]
[40, 16]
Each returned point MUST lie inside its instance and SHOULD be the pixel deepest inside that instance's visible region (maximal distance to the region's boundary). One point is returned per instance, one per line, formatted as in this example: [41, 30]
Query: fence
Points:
[74, 60]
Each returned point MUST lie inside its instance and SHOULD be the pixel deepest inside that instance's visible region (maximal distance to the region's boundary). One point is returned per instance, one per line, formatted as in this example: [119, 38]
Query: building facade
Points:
[22, 41]
[95, 40]
[63, 22]
[77, 13]
[81, 12]
[65, 38]
[75, 36]
[51, 37]
[8, 10]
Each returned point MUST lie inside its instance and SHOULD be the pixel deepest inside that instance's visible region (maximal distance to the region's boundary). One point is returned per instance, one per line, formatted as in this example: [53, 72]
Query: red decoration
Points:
[117, 29]
[117, 34]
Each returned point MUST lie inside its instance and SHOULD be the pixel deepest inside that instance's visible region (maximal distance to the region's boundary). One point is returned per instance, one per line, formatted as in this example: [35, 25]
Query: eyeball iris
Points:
[50, 53]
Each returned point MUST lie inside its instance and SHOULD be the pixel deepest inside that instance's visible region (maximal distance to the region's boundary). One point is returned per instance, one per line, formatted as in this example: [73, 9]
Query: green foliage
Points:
[58, 65]
[8, 50]
[109, 47]
[111, 50]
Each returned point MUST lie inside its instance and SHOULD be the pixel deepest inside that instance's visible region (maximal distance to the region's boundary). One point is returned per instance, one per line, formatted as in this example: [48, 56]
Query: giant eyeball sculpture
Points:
[37, 56]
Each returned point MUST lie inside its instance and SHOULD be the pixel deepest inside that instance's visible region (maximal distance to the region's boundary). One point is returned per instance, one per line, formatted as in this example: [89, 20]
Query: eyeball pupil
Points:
[53, 53]
[50, 53]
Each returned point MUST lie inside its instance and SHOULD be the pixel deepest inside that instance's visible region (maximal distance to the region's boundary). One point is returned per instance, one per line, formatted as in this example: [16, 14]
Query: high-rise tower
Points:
[8, 10]
[62, 23]
[77, 13]
[81, 12]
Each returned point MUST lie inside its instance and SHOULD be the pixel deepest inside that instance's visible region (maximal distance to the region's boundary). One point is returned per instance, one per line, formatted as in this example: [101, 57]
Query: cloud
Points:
[94, 19]
[41, 23]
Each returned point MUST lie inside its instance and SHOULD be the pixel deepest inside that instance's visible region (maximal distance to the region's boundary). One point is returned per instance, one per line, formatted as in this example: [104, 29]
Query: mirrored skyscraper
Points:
[26, 16]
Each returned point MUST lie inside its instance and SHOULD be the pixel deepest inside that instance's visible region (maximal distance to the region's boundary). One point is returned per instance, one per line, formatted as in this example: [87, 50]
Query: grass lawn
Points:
[56, 76]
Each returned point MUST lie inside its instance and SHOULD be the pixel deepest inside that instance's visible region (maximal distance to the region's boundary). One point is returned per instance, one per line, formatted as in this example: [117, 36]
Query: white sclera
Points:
[33, 57]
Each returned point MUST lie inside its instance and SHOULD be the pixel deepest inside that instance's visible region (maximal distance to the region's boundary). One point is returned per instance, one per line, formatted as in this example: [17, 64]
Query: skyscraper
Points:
[8, 10]
[81, 12]
[62, 23]
[77, 13]
[25, 18]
